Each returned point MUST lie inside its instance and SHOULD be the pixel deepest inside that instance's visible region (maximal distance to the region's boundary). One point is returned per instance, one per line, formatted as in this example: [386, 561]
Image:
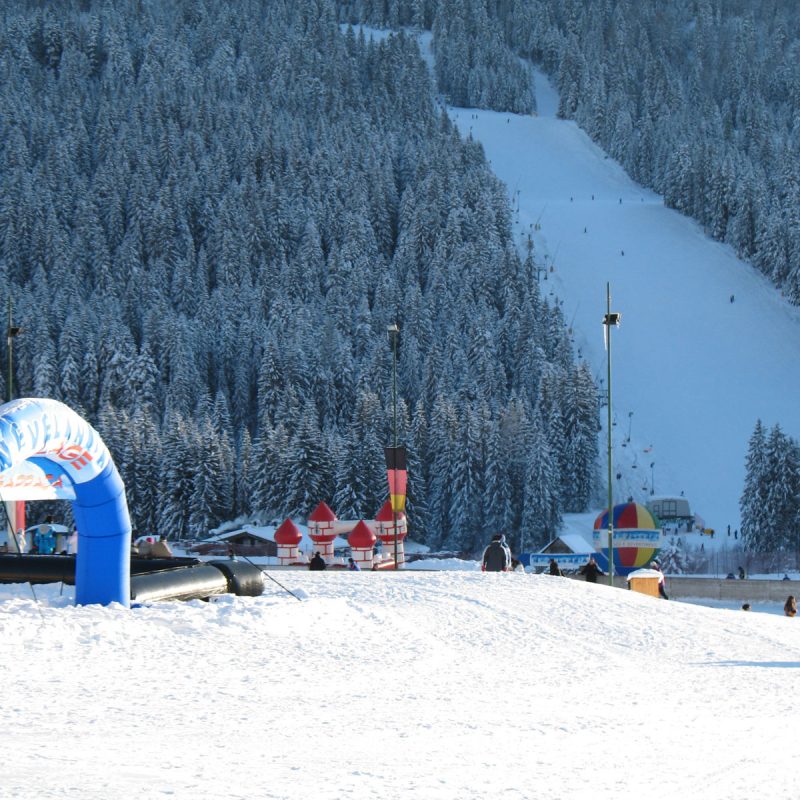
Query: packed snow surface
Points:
[691, 370]
[449, 684]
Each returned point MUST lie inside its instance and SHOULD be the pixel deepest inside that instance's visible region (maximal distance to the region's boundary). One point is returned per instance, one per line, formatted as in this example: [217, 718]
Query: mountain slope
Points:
[691, 370]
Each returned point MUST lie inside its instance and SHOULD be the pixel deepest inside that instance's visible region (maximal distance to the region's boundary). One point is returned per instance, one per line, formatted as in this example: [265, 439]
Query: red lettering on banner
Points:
[76, 455]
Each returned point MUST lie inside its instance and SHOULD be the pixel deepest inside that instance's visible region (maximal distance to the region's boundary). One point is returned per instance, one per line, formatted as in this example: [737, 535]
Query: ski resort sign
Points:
[38, 429]
[28, 481]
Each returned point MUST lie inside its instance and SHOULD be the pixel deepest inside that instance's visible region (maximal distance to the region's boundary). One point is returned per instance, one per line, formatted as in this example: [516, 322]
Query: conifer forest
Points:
[211, 212]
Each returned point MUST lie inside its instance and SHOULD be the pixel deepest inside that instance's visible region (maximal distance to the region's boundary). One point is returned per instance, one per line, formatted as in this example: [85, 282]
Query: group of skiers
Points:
[497, 558]
[317, 563]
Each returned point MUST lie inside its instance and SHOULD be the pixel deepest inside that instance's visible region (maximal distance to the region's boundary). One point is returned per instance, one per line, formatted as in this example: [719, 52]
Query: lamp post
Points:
[12, 332]
[611, 318]
[394, 335]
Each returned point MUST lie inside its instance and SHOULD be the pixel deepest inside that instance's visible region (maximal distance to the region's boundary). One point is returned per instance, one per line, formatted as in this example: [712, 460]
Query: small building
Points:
[569, 550]
[670, 509]
[240, 542]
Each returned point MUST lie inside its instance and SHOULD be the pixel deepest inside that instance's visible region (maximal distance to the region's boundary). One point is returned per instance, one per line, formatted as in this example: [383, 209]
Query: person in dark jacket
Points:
[590, 570]
[662, 587]
[317, 562]
[497, 556]
[790, 606]
[554, 568]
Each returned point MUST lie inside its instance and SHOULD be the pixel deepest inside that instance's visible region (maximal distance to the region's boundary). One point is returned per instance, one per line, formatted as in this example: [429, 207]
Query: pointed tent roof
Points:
[361, 536]
[322, 513]
[385, 514]
[288, 533]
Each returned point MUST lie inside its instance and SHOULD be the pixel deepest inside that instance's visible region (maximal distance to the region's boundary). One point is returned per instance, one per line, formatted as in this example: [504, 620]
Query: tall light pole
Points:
[12, 332]
[394, 335]
[611, 318]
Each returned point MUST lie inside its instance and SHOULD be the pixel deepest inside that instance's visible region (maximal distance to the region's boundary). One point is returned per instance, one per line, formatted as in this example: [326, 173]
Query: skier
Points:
[44, 538]
[161, 549]
[351, 565]
[554, 568]
[497, 556]
[16, 542]
[661, 580]
[317, 563]
[72, 542]
[590, 570]
[790, 606]
[731, 298]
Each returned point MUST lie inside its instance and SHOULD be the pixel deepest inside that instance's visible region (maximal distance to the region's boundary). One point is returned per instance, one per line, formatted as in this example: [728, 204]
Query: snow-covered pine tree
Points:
[755, 523]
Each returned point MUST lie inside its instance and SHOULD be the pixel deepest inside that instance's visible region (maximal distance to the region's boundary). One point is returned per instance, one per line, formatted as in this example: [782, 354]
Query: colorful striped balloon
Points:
[628, 516]
[636, 537]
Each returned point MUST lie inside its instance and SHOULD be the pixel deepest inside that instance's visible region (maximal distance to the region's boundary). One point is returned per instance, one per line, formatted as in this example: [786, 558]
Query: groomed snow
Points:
[691, 371]
[419, 684]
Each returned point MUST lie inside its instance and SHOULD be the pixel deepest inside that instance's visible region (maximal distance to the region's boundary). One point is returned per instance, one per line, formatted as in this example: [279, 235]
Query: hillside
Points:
[692, 371]
[224, 209]
[435, 685]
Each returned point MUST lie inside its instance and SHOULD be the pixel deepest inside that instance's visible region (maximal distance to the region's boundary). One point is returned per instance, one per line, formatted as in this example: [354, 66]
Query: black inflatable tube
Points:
[244, 579]
[29, 568]
[152, 579]
[187, 583]
[16, 568]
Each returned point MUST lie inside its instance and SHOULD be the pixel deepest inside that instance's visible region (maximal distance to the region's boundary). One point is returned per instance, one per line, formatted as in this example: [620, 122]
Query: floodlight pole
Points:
[394, 333]
[610, 319]
[12, 331]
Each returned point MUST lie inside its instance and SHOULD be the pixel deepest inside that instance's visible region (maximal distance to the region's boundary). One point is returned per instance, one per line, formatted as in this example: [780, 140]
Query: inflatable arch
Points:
[52, 436]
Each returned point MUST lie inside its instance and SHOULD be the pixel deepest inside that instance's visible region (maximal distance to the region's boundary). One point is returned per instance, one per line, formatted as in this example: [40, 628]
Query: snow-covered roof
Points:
[573, 541]
[644, 573]
[54, 525]
[256, 534]
[576, 543]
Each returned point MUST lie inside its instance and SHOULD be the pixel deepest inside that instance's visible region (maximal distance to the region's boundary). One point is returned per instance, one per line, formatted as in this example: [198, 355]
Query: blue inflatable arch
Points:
[52, 436]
